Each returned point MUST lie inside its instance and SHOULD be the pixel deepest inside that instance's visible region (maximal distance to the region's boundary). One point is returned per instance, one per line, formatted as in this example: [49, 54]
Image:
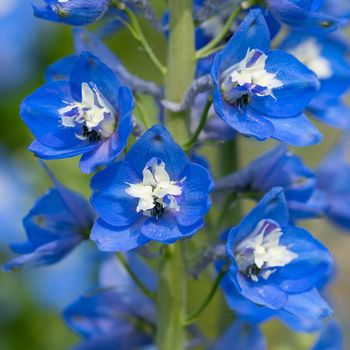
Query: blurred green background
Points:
[31, 302]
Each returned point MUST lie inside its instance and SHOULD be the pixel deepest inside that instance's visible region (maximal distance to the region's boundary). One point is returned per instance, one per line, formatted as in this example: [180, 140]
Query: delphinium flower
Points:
[327, 58]
[304, 15]
[261, 92]
[117, 315]
[278, 167]
[73, 12]
[155, 193]
[90, 115]
[58, 222]
[271, 262]
[333, 179]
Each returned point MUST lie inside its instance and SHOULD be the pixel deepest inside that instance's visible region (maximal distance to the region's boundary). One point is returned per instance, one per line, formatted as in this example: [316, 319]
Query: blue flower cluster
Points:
[261, 73]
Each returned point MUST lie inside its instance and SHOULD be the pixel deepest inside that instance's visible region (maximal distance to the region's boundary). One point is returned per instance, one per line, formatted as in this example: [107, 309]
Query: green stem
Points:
[207, 49]
[138, 282]
[172, 289]
[189, 144]
[193, 317]
[171, 299]
[136, 31]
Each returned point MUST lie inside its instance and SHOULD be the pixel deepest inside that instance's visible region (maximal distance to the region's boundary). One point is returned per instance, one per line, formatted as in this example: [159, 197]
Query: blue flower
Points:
[57, 223]
[327, 58]
[117, 315]
[303, 15]
[73, 12]
[244, 336]
[333, 178]
[263, 93]
[156, 193]
[90, 114]
[272, 262]
[331, 338]
[279, 167]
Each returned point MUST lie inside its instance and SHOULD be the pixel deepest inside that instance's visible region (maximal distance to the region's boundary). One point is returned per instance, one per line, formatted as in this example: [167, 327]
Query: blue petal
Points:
[109, 198]
[194, 202]
[117, 239]
[299, 17]
[107, 151]
[166, 229]
[309, 268]
[261, 292]
[45, 254]
[157, 142]
[299, 87]
[244, 308]
[296, 131]
[245, 122]
[88, 68]
[308, 306]
[46, 152]
[60, 70]
[252, 33]
[78, 12]
[331, 337]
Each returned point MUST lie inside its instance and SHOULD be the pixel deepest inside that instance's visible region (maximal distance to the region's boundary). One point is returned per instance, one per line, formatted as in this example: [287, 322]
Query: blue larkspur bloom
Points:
[73, 12]
[272, 262]
[333, 179]
[244, 336]
[155, 193]
[331, 337]
[58, 222]
[89, 114]
[305, 15]
[117, 315]
[261, 92]
[279, 167]
[327, 58]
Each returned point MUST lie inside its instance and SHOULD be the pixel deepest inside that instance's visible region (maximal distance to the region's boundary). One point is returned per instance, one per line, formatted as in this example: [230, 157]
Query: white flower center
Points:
[260, 253]
[156, 192]
[93, 112]
[309, 53]
[251, 74]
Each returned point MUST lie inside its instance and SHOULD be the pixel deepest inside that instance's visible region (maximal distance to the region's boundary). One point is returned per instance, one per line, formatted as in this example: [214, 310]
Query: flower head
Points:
[73, 12]
[58, 222]
[271, 260]
[261, 92]
[156, 193]
[88, 114]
